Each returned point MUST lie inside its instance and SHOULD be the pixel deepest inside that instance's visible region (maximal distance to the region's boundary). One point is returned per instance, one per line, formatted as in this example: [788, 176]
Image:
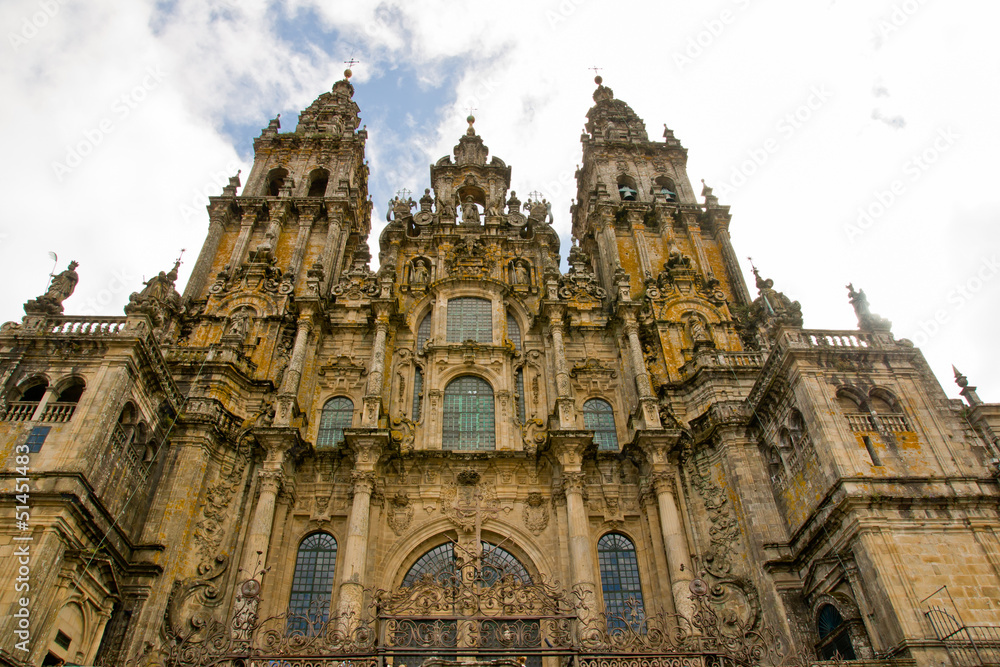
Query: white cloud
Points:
[523, 66]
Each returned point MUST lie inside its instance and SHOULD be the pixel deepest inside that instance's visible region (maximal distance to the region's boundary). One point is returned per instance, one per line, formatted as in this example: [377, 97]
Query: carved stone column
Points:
[367, 448]
[301, 239]
[564, 402]
[580, 556]
[643, 383]
[569, 448]
[259, 532]
[331, 252]
[694, 232]
[199, 274]
[240, 247]
[293, 374]
[675, 543]
[376, 371]
[732, 266]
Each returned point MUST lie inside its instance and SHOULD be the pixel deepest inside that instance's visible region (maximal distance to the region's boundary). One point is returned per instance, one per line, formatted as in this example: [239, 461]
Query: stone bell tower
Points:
[637, 215]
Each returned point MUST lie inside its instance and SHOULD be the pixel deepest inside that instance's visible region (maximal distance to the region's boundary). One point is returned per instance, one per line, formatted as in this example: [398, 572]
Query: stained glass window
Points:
[468, 415]
[470, 318]
[514, 331]
[599, 417]
[338, 414]
[620, 581]
[312, 583]
[423, 331]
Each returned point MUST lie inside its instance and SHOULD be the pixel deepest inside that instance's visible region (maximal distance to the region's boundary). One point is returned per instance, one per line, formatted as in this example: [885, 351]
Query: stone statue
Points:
[59, 290]
[239, 324]
[520, 273]
[513, 204]
[867, 320]
[62, 285]
[420, 273]
[699, 334]
[470, 213]
[773, 306]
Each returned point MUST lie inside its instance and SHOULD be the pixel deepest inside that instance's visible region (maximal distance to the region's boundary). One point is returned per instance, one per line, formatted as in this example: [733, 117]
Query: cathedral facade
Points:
[473, 456]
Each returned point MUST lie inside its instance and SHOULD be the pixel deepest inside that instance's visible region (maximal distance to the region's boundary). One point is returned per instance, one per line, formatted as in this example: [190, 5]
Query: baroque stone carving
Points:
[580, 283]
[867, 320]
[536, 513]
[59, 290]
[400, 512]
[724, 531]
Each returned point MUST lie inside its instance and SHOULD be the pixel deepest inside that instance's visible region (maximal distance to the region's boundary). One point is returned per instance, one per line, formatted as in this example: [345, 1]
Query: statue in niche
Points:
[470, 212]
[520, 273]
[239, 325]
[699, 334]
[420, 272]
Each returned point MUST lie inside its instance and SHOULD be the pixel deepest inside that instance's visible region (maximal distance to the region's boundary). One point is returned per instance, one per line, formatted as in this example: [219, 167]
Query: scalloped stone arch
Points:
[264, 305]
[420, 539]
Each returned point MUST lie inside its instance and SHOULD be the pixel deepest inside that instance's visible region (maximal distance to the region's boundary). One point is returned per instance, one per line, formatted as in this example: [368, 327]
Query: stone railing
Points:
[93, 326]
[724, 360]
[58, 413]
[861, 422]
[20, 411]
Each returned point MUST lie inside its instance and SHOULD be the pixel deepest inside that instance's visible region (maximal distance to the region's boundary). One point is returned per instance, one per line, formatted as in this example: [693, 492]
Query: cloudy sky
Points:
[856, 140]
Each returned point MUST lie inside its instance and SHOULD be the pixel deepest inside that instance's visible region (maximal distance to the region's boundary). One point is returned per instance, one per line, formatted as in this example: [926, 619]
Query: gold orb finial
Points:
[471, 119]
[598, 80]
[348, 73]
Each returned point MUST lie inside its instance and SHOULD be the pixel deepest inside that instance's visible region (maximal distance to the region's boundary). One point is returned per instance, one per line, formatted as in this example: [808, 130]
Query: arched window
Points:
[312, 583]
[626, 188]
[24, 407]
[441, 566]
[338, 414]
[834, 635]
[470, 318]
[468, 415]
[317, 183]
[275, 179]
[513, 331]
[61, 410]
[423, 331]
[666, 188]
[620, 580]
[599, 416]
[418, 389]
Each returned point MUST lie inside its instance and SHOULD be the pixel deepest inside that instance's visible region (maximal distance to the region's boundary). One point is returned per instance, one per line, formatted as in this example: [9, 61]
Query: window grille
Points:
[599, 416]
[423, 331]
[312, 583]
[468, 415]
[620, 581]
[514, 331]
[441, 566]
[470, 318]
[338, 414]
